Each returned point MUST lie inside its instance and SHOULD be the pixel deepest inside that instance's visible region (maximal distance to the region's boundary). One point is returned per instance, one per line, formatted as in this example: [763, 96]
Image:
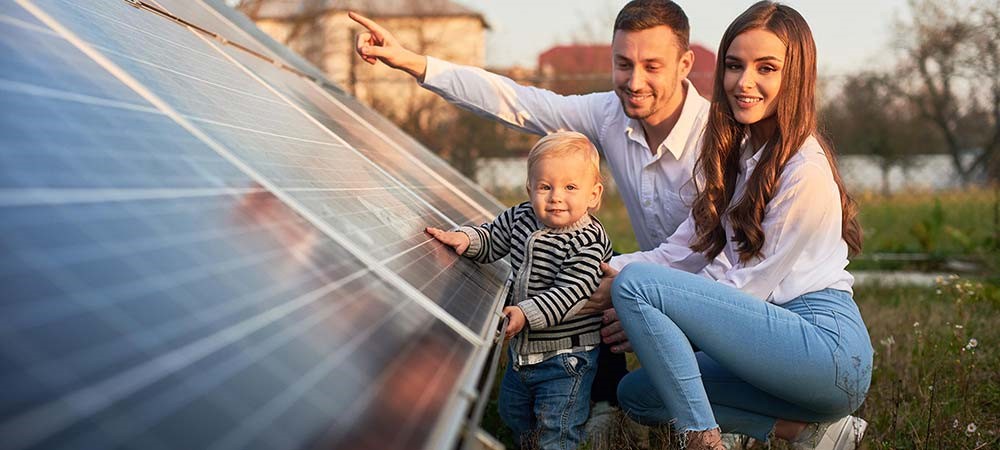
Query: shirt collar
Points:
[750, 160]
[584, 222]
[676, 141]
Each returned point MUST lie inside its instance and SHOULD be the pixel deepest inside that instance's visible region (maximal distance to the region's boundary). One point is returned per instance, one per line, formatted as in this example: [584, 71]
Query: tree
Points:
[869, 117]
[951, 64]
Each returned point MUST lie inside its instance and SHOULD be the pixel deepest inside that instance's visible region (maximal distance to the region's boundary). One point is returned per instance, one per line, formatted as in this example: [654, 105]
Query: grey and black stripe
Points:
[554, 272]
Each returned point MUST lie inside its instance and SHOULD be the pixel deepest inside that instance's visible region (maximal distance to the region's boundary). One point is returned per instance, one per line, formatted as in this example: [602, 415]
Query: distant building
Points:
[321, 31]
[703, 72]
[578, 69]
[575, 69]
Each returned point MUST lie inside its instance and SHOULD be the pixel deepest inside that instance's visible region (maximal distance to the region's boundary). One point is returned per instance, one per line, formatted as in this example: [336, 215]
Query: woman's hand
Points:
[600, 300]
[378, 44]
[613, 334]
[454, 239]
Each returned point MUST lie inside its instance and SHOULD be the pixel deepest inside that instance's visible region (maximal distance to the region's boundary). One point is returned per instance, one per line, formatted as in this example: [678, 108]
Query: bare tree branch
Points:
[951, 50]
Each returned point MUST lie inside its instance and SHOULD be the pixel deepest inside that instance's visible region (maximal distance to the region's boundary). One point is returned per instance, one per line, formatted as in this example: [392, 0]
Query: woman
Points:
[771, 344]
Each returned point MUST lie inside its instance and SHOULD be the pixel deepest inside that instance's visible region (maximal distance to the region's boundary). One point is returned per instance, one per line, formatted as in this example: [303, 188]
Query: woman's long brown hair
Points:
[719, 161]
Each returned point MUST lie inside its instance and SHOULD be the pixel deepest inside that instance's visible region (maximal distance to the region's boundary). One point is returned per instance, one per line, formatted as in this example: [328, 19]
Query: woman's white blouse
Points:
[803, 249]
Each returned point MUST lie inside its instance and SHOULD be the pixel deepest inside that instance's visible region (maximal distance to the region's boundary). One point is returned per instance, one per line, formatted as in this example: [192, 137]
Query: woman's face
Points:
[752, 79]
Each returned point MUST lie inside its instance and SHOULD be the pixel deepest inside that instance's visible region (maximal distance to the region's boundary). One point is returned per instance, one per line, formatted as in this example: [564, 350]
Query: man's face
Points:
[648, 69]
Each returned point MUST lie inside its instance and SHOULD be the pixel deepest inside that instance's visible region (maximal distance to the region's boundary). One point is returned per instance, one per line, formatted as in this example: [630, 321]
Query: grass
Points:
[936, 382]
[934, 227]
[937, 227]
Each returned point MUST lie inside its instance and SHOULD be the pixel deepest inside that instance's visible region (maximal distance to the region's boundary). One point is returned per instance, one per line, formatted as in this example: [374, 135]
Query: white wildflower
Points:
[973, 343]
[954, 424]
[916, 324]
[957, 326]
[971, 428]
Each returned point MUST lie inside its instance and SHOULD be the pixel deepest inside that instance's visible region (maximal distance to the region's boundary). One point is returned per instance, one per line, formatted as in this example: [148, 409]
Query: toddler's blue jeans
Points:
[550, 400]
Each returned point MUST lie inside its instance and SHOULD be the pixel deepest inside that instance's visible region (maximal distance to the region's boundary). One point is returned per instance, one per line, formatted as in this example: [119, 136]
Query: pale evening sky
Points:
[851, 35]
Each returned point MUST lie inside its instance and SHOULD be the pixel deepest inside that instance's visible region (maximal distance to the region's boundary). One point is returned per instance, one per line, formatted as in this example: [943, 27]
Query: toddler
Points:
[556, 249]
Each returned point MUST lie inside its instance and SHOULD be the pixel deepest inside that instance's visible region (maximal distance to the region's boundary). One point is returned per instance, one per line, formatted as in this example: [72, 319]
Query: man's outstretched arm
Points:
[526, 108]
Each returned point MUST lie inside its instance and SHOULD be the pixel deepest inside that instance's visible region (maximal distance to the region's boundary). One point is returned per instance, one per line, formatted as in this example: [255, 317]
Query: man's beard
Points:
[637, 114]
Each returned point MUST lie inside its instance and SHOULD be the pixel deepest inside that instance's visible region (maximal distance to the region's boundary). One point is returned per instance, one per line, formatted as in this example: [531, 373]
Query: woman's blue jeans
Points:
[807, 360]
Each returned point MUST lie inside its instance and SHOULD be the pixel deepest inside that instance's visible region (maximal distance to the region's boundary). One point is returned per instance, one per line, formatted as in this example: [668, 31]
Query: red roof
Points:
[576, 59]
[596, 59]
[703, 72]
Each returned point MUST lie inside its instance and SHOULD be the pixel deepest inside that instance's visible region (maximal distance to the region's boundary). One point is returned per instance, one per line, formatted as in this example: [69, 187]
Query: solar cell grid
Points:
[381, 125]
[196, 91]
[35, 55]
[83, 143]
[367, 119]
[465, 300]
[345, 125]
[375, 195]
[157, 296]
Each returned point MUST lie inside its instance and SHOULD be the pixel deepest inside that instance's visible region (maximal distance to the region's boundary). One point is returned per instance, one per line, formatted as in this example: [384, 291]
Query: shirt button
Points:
[647, 203]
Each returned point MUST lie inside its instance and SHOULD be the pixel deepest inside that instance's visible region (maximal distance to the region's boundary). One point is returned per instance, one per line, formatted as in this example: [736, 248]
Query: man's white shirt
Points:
[655, 186]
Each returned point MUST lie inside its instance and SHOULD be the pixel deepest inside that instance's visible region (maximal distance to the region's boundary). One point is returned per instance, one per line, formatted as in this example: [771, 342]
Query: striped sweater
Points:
[554, 273]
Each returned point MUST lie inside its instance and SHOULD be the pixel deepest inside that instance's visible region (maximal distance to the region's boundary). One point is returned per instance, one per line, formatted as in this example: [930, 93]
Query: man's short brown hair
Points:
[639, 15]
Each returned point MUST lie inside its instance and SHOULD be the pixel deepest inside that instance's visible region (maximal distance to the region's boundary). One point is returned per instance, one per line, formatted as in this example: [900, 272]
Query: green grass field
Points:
[941, 227]
[936, 381]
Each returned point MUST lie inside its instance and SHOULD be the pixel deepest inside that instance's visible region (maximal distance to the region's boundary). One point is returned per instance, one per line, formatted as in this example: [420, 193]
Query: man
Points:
[648, 129]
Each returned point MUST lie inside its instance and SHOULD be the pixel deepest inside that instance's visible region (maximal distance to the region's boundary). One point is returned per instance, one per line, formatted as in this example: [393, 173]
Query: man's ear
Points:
[685, 64]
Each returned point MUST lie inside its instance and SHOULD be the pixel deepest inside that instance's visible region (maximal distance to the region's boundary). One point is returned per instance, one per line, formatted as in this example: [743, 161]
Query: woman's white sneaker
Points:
[843, 434]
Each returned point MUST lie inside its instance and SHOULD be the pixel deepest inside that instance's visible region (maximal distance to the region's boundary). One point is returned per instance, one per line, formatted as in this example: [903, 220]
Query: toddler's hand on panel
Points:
[454, 239]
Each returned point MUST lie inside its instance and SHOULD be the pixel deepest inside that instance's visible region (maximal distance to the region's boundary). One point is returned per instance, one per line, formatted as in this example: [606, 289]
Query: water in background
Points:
[860, 173]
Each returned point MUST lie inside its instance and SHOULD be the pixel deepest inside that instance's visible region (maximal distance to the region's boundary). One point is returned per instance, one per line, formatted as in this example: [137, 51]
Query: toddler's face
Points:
[562, 188]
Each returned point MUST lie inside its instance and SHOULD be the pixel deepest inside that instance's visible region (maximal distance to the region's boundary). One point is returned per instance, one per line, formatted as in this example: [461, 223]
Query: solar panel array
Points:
[202, 249]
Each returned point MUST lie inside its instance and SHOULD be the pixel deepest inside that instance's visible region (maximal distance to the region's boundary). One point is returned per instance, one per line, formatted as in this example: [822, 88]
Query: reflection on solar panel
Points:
[201, 248]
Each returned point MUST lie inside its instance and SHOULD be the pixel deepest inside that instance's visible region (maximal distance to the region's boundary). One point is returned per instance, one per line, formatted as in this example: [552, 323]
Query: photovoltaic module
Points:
[205, 244]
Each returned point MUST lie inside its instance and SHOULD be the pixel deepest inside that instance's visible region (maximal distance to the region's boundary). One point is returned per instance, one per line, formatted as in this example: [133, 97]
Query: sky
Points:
[846, 41]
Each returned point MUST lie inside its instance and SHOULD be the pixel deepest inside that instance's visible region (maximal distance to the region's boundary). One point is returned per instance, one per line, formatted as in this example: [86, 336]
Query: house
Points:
[321, 31]
[578, 69]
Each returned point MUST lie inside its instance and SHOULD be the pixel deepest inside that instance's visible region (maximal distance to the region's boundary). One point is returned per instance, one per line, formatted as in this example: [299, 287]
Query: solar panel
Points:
[199, 249]
[377, 123]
